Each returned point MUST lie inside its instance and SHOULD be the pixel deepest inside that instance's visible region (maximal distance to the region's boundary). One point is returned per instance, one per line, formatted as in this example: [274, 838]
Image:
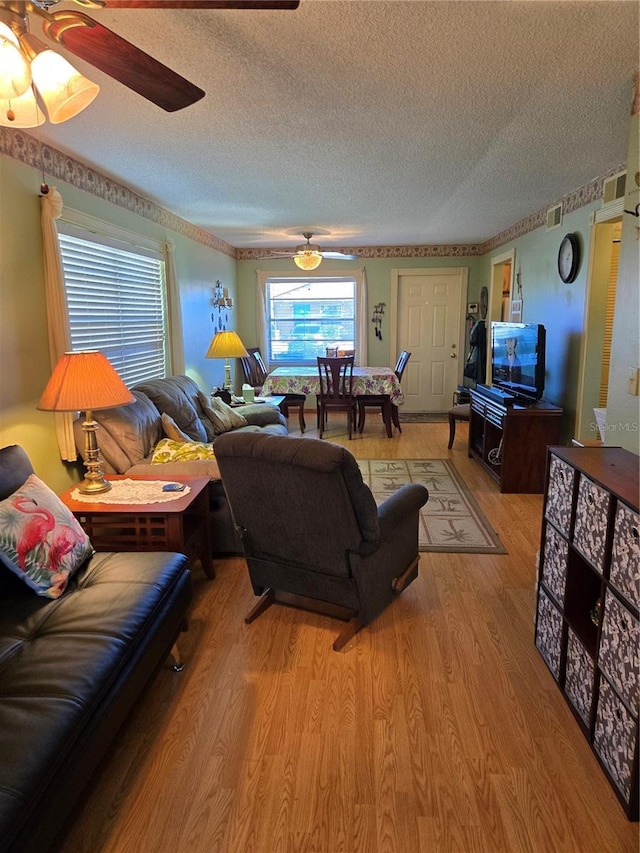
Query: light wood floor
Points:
[439, 728]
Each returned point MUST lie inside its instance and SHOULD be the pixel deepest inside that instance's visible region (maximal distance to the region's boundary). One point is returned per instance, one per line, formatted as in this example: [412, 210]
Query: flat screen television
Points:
[517, 359]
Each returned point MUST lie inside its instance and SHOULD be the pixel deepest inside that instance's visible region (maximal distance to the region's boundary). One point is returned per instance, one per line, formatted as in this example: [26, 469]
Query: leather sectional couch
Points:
[128, 436]
[71, 669]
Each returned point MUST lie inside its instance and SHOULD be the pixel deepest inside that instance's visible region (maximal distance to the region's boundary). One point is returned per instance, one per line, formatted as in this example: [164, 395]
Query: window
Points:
[305, 316]
[116, 301]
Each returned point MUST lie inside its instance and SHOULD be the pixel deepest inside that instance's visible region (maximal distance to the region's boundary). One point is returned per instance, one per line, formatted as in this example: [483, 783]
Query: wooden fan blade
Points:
[201, 4]
[121, 60]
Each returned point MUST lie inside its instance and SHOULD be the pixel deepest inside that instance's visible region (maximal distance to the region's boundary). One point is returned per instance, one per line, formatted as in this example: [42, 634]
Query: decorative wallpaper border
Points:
[571, 202]
[443, 251]
[28, 150]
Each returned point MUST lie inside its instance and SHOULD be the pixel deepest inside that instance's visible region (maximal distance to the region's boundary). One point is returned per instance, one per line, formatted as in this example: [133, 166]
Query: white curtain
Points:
[174, 311]
[261, 315]
[57, 314]
[362, 328]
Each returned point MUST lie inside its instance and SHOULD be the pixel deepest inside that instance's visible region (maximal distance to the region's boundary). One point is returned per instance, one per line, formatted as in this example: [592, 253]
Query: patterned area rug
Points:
[451, 520]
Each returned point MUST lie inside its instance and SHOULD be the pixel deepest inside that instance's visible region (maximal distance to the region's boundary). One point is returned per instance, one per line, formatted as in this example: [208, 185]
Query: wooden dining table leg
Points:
[386, 416]
[395, 417]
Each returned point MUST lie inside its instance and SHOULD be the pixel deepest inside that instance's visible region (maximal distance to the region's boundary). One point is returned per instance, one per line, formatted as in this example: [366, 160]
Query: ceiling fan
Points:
[112, 54]
[308, 256]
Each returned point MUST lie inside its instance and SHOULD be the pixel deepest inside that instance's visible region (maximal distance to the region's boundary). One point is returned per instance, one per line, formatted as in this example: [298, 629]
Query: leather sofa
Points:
[71, 668]
[128, 436]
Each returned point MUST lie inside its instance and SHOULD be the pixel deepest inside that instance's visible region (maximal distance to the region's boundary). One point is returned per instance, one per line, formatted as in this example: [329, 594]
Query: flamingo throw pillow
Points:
[40, 540]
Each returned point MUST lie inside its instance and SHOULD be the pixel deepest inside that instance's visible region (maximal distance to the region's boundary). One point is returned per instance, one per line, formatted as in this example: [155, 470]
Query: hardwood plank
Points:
[439, 727]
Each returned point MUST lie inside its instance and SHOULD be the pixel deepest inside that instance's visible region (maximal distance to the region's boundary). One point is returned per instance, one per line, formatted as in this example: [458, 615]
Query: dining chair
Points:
[381, 400]
[336, 390]
[255, 372]
[254, 369]
[458, 412]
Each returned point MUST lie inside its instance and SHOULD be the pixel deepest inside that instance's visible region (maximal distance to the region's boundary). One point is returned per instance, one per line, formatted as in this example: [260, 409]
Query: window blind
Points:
[116, 304]
[306, 316]
[608, 324]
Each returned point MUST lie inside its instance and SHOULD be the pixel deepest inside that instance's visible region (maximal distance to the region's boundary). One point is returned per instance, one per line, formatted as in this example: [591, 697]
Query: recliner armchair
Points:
[311, 531]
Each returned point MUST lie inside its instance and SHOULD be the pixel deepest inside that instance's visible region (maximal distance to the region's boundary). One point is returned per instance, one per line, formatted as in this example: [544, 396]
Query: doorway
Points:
[500, 297]
[427, 318]
[501, 286]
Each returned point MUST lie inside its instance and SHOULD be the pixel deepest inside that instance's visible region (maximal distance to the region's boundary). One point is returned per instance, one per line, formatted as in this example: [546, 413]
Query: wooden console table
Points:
[511, 442]
[181, 524]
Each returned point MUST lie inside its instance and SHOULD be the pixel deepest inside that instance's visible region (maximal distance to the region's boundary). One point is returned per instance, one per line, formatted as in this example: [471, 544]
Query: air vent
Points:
[613, 188]
[554, 217]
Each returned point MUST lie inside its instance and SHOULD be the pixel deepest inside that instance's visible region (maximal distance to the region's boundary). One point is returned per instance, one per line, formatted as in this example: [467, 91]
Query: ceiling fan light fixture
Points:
[15, 73]
[307, 259]
[21, 112]
[63, 89]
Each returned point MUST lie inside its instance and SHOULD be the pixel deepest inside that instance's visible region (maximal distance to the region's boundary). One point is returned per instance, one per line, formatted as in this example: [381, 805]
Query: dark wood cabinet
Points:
[588, 601]
[511, 441]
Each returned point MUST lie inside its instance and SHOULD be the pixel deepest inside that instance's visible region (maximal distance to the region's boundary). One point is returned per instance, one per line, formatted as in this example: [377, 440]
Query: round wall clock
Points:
[569, 258]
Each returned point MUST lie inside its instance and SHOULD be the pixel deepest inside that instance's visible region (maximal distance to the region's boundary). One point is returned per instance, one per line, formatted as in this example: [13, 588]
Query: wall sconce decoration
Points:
[224, 303]
[516, 302]
[378, 314]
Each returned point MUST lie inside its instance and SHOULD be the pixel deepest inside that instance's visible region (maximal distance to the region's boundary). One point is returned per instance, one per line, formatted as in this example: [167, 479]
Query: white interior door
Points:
[430, 325]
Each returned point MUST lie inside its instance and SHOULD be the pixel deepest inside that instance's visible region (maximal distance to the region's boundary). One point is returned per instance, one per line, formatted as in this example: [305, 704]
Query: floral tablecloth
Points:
[305, 380]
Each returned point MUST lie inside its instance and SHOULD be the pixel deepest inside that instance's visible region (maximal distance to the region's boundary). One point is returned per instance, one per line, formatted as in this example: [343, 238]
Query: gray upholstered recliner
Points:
[310, 528]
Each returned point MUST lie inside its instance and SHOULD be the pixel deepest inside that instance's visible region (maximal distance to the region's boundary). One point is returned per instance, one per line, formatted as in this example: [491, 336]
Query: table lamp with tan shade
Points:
[84, 382]
[226, 345]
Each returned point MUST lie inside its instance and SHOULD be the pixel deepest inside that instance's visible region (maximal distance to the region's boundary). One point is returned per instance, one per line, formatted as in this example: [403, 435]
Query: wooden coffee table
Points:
[181, 524]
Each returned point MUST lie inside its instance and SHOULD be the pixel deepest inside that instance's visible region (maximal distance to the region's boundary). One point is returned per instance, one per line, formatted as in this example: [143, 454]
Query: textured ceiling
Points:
[368, 123]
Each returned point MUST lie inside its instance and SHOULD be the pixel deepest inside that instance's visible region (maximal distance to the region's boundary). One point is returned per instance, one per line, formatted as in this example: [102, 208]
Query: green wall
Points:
[24, 354]
[379, 274]
[623, 415]
[559, 307]
[24, 359]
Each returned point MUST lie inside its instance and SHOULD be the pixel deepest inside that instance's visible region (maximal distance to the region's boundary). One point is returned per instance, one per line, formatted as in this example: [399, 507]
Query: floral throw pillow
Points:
[168, 450]
[40, 540]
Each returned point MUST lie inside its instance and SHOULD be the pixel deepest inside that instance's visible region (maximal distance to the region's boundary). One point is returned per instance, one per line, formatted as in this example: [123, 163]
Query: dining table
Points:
[376, 381]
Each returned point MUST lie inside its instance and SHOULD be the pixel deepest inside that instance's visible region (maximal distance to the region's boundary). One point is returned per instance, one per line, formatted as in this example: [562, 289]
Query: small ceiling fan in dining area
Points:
[309, 256]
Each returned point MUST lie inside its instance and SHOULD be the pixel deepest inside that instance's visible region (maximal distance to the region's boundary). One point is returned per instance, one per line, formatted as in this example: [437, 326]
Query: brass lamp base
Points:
[94, 482]
[94, 485]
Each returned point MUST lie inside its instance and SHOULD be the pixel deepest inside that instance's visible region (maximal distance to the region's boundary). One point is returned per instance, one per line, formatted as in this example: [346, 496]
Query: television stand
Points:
[510, 440]
[492, 392]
